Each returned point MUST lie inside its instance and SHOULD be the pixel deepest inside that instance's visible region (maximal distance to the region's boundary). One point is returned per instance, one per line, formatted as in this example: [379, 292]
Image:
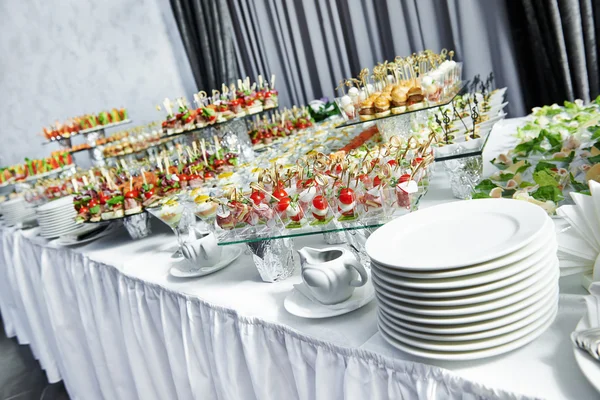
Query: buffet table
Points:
[109, 320]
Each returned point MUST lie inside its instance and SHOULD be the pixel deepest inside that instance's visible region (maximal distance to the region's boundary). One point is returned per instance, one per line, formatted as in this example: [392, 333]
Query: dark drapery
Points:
[312, 44]
[207, 35]
[556, 43]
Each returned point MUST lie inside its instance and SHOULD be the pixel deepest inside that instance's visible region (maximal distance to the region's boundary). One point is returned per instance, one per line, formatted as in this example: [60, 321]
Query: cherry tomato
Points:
[84, 210]
[279, 193]
[92, 203]
[346, 195]
[149, 193]
[283, 204]
[257, 197]
[132, 194]
[320, 202]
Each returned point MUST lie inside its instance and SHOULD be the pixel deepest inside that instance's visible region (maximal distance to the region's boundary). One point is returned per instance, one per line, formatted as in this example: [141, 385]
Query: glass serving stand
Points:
[91, 135]
[272, 246]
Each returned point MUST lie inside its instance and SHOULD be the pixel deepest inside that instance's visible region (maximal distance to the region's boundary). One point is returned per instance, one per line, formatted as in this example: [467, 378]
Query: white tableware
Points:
[481, 278]
[204, 252]
[542, 313]
[476, 327]
[464, 300]
[71, 238]
[410, 315]
[465, 233]
[51, 205]
[508, 343]
[179, 269]
[589, 366]
[299, 305]
[462, 292]
[449, 310]
[538, 245]
[331, 274]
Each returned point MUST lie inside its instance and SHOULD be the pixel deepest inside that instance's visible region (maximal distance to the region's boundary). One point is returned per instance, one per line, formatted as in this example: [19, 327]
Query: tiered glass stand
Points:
[272, 246]
[91, 135]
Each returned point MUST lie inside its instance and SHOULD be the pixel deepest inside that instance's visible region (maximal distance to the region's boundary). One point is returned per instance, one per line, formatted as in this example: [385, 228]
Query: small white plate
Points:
[467, 355]
[535, 246]
[480, 278]
[412, 315]
[589, 366]
[462, 292]
[301, 306]
[465, 233]
[230, 256]
[541, 283]
[71, 241]
[475, 327]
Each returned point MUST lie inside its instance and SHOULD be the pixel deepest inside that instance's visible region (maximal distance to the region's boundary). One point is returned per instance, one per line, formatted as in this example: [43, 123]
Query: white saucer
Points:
[230, 256]
[301, 306]
[587, 364]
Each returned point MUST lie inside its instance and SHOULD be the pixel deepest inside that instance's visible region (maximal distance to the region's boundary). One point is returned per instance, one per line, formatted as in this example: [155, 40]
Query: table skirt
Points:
[112, 336]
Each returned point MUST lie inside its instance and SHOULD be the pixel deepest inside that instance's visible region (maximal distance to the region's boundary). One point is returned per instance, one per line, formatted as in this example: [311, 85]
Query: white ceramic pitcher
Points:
[331, 274]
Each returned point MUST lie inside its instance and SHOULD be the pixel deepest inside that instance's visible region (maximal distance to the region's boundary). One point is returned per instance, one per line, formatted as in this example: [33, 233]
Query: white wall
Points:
[63, 58]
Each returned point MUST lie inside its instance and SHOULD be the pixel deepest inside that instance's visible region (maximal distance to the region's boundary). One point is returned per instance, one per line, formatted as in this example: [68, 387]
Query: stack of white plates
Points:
[465, 280]
[16, 211]
[57, 218]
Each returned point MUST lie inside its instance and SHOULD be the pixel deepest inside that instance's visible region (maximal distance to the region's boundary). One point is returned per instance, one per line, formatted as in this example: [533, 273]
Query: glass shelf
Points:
[217, 124]
[427, 105]
[280, 229]
[257, 234]
[90, 130]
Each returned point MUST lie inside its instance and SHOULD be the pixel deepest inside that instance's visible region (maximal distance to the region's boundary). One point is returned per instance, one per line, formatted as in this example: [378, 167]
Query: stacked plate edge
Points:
[465, 280]
[57, 218]
[16, 211]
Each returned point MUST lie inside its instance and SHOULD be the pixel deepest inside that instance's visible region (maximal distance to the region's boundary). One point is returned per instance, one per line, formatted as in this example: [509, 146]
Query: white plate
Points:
[470, 355]
[465, 300]
[231, 256]
[57, 233]
[464, 233]
[65, 218]
[468, 345]
[66, 211]
[481, 278]
[462, 292]
[542, 313]
[476, 326]
[412, 315]
[548, 279]
[58, 227]
[51, 205]
[70, 241]
[589, 366]
[301, 306]
[537, 245]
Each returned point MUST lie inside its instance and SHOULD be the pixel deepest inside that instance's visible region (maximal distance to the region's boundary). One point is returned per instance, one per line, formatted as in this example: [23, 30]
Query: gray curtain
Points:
[207, 35]
[311, 44]
[562, 34]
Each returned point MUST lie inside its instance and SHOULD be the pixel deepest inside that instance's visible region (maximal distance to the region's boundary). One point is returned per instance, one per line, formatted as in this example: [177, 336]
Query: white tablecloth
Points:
[109, 320]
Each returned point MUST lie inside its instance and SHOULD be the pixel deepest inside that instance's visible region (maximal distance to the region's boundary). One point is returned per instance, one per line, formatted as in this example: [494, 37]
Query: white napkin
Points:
[589, 339]
[353, 302]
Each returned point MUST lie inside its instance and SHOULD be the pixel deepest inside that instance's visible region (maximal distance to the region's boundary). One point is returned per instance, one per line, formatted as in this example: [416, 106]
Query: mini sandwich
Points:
[415, 98]
[133, 202]
[114, 206]
[398, 100]
[382, 106]
[367, 111]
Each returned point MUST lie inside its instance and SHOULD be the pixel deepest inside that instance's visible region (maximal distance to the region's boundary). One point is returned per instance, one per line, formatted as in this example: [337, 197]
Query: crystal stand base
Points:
[273, 258]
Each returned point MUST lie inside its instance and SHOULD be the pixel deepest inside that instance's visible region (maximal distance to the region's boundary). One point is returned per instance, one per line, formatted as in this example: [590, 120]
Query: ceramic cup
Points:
[202, 252]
